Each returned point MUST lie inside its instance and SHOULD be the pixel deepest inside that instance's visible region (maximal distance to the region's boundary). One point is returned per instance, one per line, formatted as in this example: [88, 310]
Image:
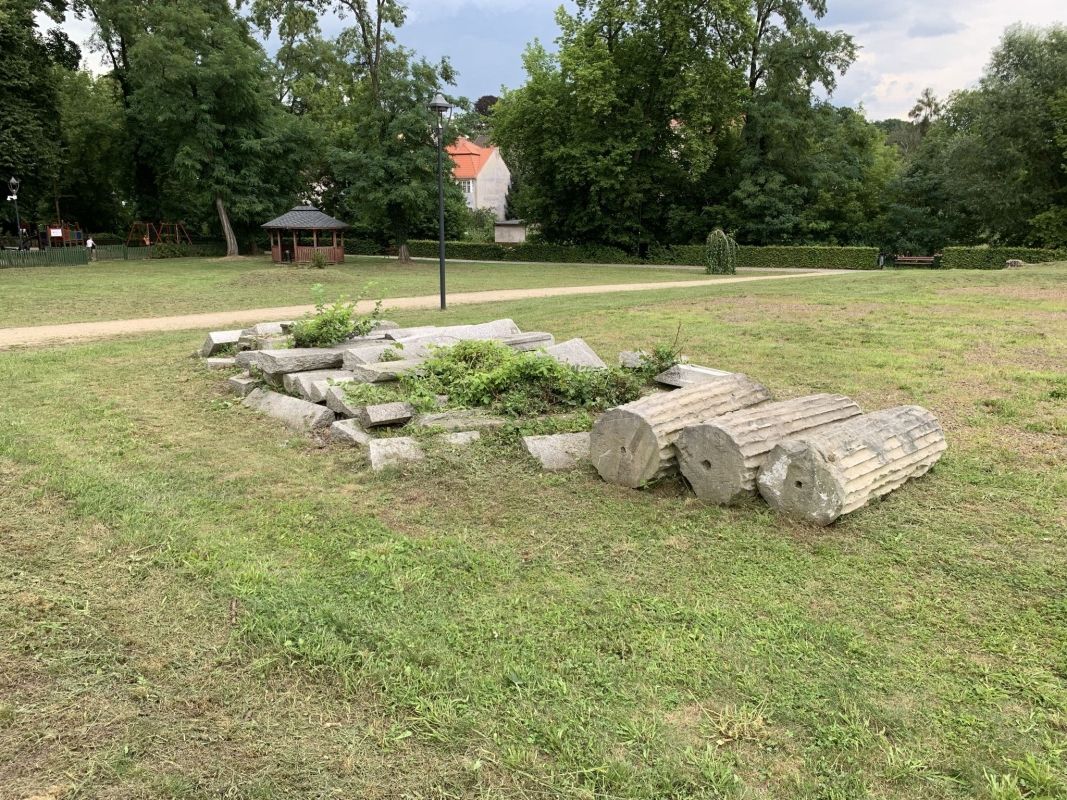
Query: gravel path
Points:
[221, 320]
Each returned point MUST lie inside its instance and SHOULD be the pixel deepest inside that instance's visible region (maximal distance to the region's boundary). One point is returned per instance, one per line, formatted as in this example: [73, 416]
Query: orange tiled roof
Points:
[469, 158]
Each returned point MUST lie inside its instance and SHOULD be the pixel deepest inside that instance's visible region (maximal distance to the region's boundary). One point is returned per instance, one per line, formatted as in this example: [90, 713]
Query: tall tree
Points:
[926, 111]
[30, 68]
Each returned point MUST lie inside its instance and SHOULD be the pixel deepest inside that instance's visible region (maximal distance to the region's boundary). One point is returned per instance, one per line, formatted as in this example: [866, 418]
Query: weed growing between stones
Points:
[492, 375]
[333, 323]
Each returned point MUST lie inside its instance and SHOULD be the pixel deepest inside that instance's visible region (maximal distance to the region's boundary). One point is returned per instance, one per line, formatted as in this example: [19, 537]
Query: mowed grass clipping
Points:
[506, 633]
[165, 287]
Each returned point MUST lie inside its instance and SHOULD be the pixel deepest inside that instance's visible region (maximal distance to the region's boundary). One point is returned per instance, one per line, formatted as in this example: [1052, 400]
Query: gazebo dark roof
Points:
[305, 218]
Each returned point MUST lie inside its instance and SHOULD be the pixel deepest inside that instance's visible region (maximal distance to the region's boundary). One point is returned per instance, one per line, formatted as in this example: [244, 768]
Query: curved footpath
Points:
[220, 320]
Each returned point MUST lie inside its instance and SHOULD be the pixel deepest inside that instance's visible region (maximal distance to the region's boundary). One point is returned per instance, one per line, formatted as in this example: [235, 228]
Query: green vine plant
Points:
[720, 253]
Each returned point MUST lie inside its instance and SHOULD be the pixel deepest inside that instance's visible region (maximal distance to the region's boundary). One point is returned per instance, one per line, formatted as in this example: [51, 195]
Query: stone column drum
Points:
[821, 476]
[719, 458]
[634, 443]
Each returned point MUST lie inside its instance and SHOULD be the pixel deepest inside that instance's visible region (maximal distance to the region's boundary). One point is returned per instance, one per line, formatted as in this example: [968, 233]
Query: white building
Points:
[482, 174]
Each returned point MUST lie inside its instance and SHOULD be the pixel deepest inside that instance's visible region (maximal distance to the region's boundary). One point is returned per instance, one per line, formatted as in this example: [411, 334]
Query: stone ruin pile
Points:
[814, 458]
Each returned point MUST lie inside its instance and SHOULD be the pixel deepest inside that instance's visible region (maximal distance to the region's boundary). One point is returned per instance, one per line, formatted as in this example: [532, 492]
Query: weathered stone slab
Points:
[368, 353]
[269, 328]
[461, 438]
[461, 420]
[219, 363]
[242, 385]
[246, 359]
[407, 333]
[348, 432]
[317, 391]
[576, 353]
[338, 402]
[632, 359]
[719, 458]
[634, 443]
[299, 359]
[218, 340]
[270, 343]
[380, 415]
[484, 330]
[821, 476]
[683, 375]
[296, 414]
[302, 383]
[558, 452]
[527, 341]
[385, 453]
[385, 371]
[383, 325]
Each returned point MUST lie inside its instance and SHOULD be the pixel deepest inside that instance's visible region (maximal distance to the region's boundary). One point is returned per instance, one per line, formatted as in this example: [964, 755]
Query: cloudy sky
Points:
[906, 45]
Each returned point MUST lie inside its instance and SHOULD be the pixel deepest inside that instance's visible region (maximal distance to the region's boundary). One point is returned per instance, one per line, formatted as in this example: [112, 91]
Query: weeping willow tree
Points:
[720, 253]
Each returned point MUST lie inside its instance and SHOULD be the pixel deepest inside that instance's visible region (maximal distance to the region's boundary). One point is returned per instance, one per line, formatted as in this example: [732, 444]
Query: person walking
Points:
[90, 245]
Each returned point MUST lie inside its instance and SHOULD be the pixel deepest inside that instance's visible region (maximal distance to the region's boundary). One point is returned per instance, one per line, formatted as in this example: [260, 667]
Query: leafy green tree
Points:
[30, 69]
[926, 111]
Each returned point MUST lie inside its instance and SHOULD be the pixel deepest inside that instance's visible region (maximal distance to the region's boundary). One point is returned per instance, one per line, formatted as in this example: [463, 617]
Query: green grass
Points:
[187, 575]
[164, 287]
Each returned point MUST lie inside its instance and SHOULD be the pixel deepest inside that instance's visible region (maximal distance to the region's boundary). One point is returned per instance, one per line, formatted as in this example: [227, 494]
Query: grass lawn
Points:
[164, 287]
[200, 605]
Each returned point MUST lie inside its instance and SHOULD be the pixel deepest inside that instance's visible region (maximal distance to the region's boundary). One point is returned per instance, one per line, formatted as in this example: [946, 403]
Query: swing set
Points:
[146, 234]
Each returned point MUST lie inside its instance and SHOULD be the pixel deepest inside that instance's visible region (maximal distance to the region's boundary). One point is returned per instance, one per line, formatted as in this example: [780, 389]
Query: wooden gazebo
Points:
[298, 234]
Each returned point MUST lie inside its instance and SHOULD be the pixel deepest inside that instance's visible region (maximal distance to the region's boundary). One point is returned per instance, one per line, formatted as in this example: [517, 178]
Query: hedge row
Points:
[996, 257]
[679, 255]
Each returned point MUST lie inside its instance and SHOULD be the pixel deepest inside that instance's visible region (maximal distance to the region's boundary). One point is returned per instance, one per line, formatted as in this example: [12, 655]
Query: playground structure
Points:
[146, 234]
[61, 234]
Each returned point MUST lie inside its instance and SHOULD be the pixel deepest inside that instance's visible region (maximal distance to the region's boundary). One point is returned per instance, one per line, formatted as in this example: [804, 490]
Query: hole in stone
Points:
[705, 464]
[623, 449]
[799, 484]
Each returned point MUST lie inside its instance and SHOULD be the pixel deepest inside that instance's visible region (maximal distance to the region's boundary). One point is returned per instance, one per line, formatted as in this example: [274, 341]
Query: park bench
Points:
[915, 261]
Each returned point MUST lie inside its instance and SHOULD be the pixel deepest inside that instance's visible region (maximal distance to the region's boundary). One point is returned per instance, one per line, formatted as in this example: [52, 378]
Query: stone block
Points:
[220, 363]
[460, 420]
[576, 353]
[380, 415]
[527, 341]
[299, 359]
[338, 402]
[348, 432]
[302, 383]
[368, 353]
[632, 359]
[242, 385]
[296, 414]
[682, 375]
[317, 391]
[384, 372]
[558, 452]
[385, 453]
[218, 340]
[246, 359]
[461, 438]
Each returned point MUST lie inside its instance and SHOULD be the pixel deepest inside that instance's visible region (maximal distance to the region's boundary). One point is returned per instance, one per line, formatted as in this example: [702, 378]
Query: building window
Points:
[467, 187]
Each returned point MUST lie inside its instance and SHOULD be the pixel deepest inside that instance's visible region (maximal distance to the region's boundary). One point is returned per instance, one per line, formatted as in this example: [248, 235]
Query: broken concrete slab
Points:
[461, 438]
[338, 402]
[242, 385]
[379, 415]
[299, 359]
[348, 432]
[220, 363]
[683, 375]
[385, 453]
[559, 451]
[385, 371]
[576, 353]
[302, 383]
[296, 414]
[460, 420]
[218, 340]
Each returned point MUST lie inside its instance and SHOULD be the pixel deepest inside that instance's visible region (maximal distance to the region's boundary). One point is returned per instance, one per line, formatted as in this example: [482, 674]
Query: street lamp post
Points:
[13, 185]
[440, 107]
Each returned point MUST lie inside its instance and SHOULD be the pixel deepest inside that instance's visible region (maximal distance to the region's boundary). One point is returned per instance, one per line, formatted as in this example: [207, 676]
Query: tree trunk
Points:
[634, 444]
[719, 458]
[403, 254]
[818, 477]
[227, 229]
